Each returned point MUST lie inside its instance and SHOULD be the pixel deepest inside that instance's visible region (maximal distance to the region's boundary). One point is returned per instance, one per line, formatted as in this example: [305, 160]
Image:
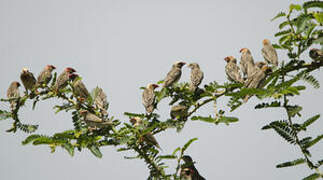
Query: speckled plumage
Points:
[247, 64]
[316, 54]
[13, 92]
[148, 97]
[93, 120]
[232, 70]
[174, 74]
[28, 79]
[178, 111]
[196, 76]
[189, 164]
[45, 76]
[79, 88]
[269, 52]
[256, 80]
[63, 78]
[101, 100]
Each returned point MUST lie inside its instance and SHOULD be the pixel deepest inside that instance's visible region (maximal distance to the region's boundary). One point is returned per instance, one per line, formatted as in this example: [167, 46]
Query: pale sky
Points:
[123, 45]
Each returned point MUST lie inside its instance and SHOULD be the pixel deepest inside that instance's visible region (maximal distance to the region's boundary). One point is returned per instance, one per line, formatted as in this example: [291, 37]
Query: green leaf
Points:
[188, 144]
[319, 17]
[281, 33]
[69, 148]
[294, 110]
[313, 142]
[283, 24]
[95, 151]
[313, 4]
[167, 157]
[296, 7]
[268, 105]
[291, 163]
[312, 177]
[4, 115]
[176, 150]
[134, 115]
[31, 138]
[205, 119]
[27, 128]
[283, 129]
[226, 120]
[43, 140]
[311, 121]
[311, 80]
[280, 14]
[301, 22]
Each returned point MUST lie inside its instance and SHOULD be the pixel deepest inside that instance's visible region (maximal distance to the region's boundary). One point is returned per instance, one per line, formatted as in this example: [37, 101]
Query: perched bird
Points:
[13, 92]
[260, 64]
[256, 80]
[178, 111]
[316, 54]
[148, 97]
[174, 74]
[45, 76]
[247, 63]
[79, 88]
[232, 70]
[148, 137]
[63, 78]
[189, 164]
[93, 120]
[269, 52]
[196, 76]
[101, 100]
[28, 79]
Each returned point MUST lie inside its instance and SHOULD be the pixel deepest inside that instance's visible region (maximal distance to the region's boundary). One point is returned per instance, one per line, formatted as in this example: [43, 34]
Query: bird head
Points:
[187, 172]
[266, 42]
[230, 59]
[179, 64]
[70, 70]
[152, 86]
[73, 76]
[24, 70]
[187, 159]
[193, 65]
[135, 121]
[314, 52]
[16, 83]
[50, 67]
[244, 50]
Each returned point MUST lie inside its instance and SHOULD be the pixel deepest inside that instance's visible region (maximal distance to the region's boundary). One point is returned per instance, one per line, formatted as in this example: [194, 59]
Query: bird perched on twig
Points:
[13, 92]
[179, 111]
[196, 76]
[269, 52]
[316, 54]
[174, 74]
[148, 137]
[148, 97]
[79, 88]
[247, 63]
[63, 78]
[260, 64]
[101, 100]
[189, 165]
[45, 76]
[232, 70]
[93, 120]
[257, 79]
[28, 80]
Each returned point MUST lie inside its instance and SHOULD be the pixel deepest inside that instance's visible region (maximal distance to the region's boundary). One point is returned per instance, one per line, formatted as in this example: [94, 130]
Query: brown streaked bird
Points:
[179, 111]
[13, 92]
[186, 174]
[257, 79]
[93, 120]
[79, 88]
[148, 97]
[148, 137]
[316, 54]
[101, 100]
[196, 76]
[247, 63]
[269, 52]
[232, 70]
[45, 76]
[188, 163]
[28, 79]
[174, 74]
[63, 78]
[260, 64]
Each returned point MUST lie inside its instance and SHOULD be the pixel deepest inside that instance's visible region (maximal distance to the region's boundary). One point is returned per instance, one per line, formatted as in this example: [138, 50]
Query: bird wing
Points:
[197, 77]
[172, 76]
[148, 97]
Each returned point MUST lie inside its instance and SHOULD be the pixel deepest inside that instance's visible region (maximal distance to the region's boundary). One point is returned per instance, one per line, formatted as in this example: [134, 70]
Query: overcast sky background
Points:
[123, 45]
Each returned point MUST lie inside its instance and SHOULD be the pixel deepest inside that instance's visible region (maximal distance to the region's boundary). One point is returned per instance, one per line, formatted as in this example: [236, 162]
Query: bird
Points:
[79, 89]
[13, 92]
[174, 74]
[260, 64]
[63, 78]
[232, 70]
[101, 100]
[147, 137]
[316, 54]
[269, 52]
[179, 111]
[247, 64]
[148, 97]
[186, 174]
[93, 120]
[28, 80]
[256, 80]
[45, 76]
[189, 164]
[196, 76]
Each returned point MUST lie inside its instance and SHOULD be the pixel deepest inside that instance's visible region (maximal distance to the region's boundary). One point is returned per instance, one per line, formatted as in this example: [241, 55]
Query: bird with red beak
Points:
[269, 52]
[232, 70]
[174, 74]
[148, 97]
[45, 76]
[13, 92]
[63, 78]
[196, 76]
